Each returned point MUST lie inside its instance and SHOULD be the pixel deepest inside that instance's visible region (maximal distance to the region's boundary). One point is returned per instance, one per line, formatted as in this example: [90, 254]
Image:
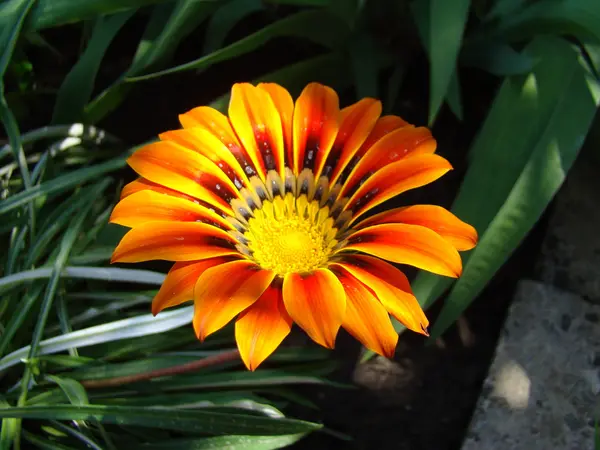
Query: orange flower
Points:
[264, 215]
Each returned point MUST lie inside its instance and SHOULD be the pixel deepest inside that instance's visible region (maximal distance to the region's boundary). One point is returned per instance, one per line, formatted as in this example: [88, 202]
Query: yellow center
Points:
[291, 235]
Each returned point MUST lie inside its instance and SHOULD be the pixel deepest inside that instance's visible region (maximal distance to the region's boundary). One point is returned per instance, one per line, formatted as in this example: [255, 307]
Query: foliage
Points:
[62, 310]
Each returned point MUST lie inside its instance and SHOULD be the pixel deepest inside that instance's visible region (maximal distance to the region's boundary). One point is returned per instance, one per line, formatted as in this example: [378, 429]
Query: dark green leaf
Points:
[513, 178]
[496, 58]
[169, 419]
[317, 26]
[441, 25]
[225, 18]
[226, 443]
[52, 13]
[76, 89]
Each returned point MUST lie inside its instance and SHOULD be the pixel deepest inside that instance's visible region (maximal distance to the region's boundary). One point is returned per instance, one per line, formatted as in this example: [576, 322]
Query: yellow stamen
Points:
[291, 235]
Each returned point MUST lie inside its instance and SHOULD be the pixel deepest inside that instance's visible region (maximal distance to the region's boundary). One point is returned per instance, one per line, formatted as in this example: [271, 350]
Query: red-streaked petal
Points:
[315, 125]
[391, 287]
[262, 327]
[408, 244]
[257, 123]
[224, 291]
[285, 105]
[178, 287]
[392, 147]
[383, 126]
[186, 171]
[356, 123]
[218, 124]
[150, 206]
[395, 178]
[210, 146]
[174, 241]
[366, 319]
[317, 303]
[460, 234]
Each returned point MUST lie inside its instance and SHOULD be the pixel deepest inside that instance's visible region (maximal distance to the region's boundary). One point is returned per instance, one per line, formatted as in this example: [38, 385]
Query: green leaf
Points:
[317, 26]
[74, 391]
[76, 89]
[209, 422]
[580, 18]
[496, 58]
[226, 443]
[52, 13]
[512, 179]
[12, 18]
[441, 25]
[225, 18]
[143, 325]
[61, 183]
[367, 58]
[167, 27]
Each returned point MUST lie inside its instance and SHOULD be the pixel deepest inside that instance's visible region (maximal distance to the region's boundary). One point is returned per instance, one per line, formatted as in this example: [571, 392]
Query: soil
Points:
[424, 398]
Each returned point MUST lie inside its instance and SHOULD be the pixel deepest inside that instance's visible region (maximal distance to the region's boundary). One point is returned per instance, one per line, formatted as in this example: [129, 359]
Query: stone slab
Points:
[543, 388]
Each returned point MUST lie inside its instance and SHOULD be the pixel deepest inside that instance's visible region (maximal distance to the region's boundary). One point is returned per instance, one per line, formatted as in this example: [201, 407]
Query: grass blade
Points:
[209, 422]
[143, 325]
[318, 26]
[76, 89]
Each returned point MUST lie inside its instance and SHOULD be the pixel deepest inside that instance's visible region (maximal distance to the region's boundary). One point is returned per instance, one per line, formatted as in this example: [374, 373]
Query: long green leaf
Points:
[317, 26]
[143, 325]
[169, 419]
[12, 18]
[226, 443]
[61, 184]
[76, 89]
[225, 18]
[441, 25]
[580, 18]
[167, 27]
[52, 13]
[561, 107]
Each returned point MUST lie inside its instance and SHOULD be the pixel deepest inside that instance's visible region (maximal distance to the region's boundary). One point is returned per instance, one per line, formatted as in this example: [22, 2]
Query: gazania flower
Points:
[265, 214]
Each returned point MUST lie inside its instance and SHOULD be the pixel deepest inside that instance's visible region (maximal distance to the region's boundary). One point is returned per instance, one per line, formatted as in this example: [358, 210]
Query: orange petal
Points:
[315, 125]
[391, 287]
[218, 124]
[210, 146]
[285, 105]
[317, 302]
[141, 184]
[366, 319]
[392, 147]
[224, 291]
[174, 241]
[395, 178]
[408, 244]
[256, 121]
[357, 121]
[460, 234]
[262, 327]
[178, 287]
[150, 206]
[383, 126]
[186, 171]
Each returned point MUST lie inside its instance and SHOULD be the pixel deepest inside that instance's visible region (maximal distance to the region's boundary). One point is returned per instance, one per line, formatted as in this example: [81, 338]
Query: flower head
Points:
[264, 213]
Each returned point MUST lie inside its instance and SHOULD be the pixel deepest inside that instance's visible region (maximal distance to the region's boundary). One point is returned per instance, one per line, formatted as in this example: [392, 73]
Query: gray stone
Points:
[570, 256]
[543, 388]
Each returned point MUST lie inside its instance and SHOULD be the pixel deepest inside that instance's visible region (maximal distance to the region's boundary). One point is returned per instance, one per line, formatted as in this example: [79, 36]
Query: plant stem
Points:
[193, 366]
